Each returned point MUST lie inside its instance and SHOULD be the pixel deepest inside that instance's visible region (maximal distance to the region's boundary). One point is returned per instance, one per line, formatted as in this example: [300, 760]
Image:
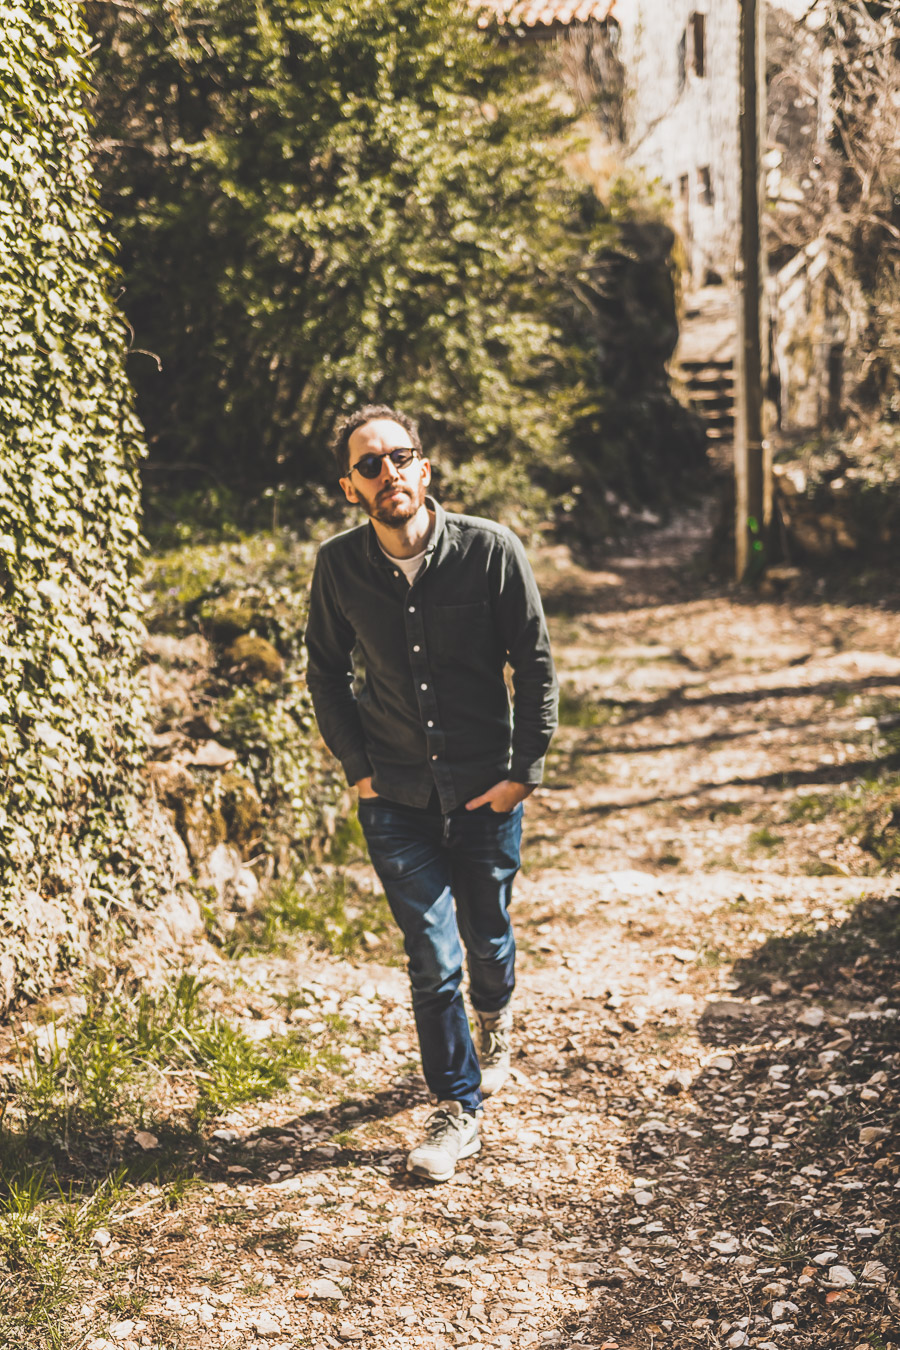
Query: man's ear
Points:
[426, 471]
[349, 490]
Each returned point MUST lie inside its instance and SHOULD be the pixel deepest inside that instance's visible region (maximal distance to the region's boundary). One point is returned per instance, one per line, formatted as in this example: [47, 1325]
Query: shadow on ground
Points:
[767, 1209]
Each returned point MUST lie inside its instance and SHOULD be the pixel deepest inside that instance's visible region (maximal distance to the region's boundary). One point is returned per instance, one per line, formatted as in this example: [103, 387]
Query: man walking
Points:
[434, 605]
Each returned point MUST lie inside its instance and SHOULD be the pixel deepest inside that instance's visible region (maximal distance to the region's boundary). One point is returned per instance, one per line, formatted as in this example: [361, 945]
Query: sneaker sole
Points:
[468, 1152]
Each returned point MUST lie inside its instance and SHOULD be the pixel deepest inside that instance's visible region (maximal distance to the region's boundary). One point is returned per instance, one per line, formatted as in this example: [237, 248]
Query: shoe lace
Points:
[496, 1043]
[440, 1120]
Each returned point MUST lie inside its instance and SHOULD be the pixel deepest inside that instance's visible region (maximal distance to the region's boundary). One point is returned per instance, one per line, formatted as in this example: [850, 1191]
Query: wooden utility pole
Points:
[749, 457]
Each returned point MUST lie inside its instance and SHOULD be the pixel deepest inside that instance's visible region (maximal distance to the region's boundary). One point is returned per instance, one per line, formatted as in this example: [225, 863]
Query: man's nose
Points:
[388, 465]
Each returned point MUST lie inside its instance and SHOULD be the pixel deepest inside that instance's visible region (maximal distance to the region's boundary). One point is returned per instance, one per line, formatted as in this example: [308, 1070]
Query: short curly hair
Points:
[340, 446]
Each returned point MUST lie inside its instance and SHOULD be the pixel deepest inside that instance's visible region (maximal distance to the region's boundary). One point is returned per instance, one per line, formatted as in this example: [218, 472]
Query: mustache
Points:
[391, 487]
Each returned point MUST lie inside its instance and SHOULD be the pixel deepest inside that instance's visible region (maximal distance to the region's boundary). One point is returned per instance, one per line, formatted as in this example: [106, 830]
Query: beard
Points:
[397, 511]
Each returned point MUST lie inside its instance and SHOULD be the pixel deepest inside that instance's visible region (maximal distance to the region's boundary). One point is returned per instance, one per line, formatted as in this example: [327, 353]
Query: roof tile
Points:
[532, 13]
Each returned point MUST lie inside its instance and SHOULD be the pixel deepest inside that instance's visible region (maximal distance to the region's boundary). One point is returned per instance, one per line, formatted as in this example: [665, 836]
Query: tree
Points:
[835, 120]
[320, 204]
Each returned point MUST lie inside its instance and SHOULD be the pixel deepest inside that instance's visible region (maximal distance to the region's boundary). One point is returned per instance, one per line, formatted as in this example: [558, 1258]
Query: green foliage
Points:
[367, 202]
[764, 839]
[346, 202]
[584, 708]
[330, 908]
[70, 720]
[869, 811]
[808, 806]
[257, 585]
[36, 1275]
[109, 1065]
[630, 441]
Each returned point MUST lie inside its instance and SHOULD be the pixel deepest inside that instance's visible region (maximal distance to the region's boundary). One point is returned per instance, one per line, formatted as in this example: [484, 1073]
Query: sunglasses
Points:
[369, 466]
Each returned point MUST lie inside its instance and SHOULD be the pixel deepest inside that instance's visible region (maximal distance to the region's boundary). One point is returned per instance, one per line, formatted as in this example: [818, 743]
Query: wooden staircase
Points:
[709, 386]
[704, 361]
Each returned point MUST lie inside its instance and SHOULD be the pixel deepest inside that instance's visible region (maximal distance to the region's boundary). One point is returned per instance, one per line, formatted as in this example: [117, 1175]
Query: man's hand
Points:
[502, 796]
[364, 788]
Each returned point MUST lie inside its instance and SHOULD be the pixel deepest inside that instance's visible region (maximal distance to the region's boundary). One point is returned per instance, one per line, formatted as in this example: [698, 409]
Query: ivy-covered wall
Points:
[71, 722]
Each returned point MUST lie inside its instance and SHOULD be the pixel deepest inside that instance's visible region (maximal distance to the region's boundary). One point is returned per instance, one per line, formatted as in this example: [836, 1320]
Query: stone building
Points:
[661, 78]
[681, 119]
[676, 96]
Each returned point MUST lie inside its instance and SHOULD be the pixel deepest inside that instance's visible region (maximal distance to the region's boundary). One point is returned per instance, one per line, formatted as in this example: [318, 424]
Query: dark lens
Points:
[369, 466]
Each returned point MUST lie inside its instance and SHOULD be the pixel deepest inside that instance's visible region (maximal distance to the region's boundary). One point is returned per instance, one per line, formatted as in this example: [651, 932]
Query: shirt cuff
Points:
[529, 771]
[356, 767]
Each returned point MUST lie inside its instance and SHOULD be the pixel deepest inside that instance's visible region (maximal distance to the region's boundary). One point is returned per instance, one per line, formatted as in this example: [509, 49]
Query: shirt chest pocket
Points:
[463, 634]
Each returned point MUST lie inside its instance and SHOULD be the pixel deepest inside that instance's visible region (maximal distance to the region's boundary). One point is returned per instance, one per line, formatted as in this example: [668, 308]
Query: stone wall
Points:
[682, 121]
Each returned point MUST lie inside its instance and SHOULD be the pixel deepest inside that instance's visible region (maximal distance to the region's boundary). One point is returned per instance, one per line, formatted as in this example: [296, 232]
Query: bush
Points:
[235, 595]
[347, 203]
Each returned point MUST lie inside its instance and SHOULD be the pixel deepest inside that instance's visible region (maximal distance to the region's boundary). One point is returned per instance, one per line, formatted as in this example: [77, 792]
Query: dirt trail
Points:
[696, 1149]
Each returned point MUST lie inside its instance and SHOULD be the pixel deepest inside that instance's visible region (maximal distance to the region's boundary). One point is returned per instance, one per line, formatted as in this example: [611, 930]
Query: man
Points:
[434, 605]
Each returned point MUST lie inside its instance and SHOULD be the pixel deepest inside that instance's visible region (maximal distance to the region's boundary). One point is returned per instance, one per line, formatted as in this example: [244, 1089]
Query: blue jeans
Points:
[426, 861]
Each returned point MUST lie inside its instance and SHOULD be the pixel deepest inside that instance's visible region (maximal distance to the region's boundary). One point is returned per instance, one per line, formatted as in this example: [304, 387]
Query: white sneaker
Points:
[494, 1032]
[451, 1134]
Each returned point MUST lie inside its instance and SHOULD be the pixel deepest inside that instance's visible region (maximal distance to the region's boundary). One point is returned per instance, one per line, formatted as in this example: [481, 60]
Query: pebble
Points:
[266, 1325]
[870, 1134]
[677, 1080]
[515, 1236]
[323, 1288]
[841, 1277]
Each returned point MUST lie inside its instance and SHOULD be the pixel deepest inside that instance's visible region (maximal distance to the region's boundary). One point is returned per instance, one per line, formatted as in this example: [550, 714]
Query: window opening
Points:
[697, 30]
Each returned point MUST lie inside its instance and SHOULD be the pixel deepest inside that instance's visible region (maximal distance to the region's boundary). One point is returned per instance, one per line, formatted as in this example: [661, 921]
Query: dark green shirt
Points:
[432, 710]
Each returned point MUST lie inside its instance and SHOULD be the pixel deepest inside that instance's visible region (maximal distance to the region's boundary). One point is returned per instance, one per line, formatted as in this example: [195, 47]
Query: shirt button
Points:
[423, 686]
[412, 609]
[396, 574]
[431, 724]
[417, 649]
[434, 756]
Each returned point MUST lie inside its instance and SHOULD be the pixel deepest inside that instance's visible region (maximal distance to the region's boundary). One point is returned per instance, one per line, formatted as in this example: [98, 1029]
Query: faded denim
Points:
[426, 861]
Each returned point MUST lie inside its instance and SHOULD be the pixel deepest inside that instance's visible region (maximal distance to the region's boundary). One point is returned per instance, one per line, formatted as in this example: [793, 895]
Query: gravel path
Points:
[699, 1144]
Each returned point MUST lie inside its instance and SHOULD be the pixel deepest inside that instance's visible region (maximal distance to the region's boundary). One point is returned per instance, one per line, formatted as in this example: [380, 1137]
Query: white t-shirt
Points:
[410, 567]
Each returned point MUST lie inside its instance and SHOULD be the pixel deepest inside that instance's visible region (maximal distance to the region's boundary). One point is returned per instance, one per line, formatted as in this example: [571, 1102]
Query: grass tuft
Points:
[134, 1057]
[331, 908]
[581, 708]
[69, 1158]
[764, 839]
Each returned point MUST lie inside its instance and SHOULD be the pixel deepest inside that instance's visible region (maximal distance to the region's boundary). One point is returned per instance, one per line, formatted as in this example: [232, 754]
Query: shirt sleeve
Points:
[330, 640]
[520, 616]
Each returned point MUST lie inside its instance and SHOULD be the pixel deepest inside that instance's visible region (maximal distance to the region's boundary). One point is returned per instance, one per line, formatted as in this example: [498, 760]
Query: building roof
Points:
[541, 13]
